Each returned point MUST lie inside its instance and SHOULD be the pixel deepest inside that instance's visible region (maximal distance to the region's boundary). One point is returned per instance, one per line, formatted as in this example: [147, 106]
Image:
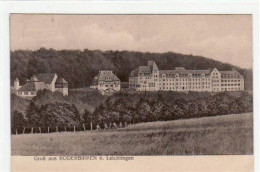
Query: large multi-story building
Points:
[150, 78]
[49, 81]
[106, 82]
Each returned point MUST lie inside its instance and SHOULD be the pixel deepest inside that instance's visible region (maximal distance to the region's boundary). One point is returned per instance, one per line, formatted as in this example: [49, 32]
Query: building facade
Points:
[106, 82]
[37, 82]
[150, 78]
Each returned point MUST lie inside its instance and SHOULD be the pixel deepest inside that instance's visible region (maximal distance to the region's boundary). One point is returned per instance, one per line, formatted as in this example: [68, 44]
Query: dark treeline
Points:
[80, 67]
[160, 109]
[119, 108]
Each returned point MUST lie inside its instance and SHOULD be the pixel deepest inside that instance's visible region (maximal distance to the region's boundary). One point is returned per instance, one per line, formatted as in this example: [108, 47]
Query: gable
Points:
[106, 76]
[47, 78]
[215, 71]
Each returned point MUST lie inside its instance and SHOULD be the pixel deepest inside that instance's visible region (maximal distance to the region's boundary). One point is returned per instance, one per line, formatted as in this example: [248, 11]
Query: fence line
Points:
[65, 128]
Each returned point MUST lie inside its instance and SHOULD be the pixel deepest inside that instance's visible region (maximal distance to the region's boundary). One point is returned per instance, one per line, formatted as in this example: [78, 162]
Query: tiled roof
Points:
[199, 71]
[106, 76]
[134, 72]
[47, 78]
[141, 70]
[33, 86]
[184, 71]
[178, 70]
[61, 81]
[150, 64]
[144, 69]
[230, 72]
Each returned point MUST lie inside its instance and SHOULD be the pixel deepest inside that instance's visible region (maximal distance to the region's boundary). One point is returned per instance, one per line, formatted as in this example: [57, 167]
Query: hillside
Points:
[80, 67]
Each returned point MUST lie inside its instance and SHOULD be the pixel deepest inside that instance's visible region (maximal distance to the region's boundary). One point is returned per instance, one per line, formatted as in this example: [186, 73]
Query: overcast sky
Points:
[227, 38]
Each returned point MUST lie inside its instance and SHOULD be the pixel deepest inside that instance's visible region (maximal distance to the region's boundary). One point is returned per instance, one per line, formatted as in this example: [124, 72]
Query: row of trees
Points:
[162, 110]
[48, 115]
[117, 109]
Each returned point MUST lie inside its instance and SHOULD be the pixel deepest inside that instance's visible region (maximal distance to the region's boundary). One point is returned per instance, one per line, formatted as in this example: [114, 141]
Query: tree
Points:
[17, 120]
[32, 114]
[245, 102]
[87, 116]
[76, 114]
[181, 108]
[32, 66]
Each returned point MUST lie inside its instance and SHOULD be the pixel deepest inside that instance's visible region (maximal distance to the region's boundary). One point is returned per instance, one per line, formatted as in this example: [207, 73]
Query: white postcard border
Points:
[115, 7]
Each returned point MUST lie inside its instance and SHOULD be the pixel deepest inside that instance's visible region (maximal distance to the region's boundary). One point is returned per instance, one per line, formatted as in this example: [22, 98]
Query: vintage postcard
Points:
[117, 88]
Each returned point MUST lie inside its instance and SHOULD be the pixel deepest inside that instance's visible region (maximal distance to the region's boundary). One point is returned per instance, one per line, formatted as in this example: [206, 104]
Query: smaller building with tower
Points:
[49, 81]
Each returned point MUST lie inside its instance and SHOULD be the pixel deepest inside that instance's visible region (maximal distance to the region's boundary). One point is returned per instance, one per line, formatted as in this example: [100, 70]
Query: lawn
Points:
[228, 134]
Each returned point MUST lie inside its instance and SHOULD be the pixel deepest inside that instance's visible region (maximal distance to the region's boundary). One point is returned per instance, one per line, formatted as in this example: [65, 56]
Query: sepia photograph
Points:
[131, 85]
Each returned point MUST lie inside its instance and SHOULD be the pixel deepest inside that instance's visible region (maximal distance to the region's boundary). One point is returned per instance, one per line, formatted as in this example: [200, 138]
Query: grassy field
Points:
[229, 134]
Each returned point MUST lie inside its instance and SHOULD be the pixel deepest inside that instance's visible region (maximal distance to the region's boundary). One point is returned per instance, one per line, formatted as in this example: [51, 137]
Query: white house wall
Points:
[52, 85]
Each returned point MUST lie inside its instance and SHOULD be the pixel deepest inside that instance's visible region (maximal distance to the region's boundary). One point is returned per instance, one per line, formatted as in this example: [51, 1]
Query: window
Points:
[26, 93]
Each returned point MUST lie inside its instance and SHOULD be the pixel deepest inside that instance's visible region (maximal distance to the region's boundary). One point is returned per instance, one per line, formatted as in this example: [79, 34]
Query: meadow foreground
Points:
[228, 134]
